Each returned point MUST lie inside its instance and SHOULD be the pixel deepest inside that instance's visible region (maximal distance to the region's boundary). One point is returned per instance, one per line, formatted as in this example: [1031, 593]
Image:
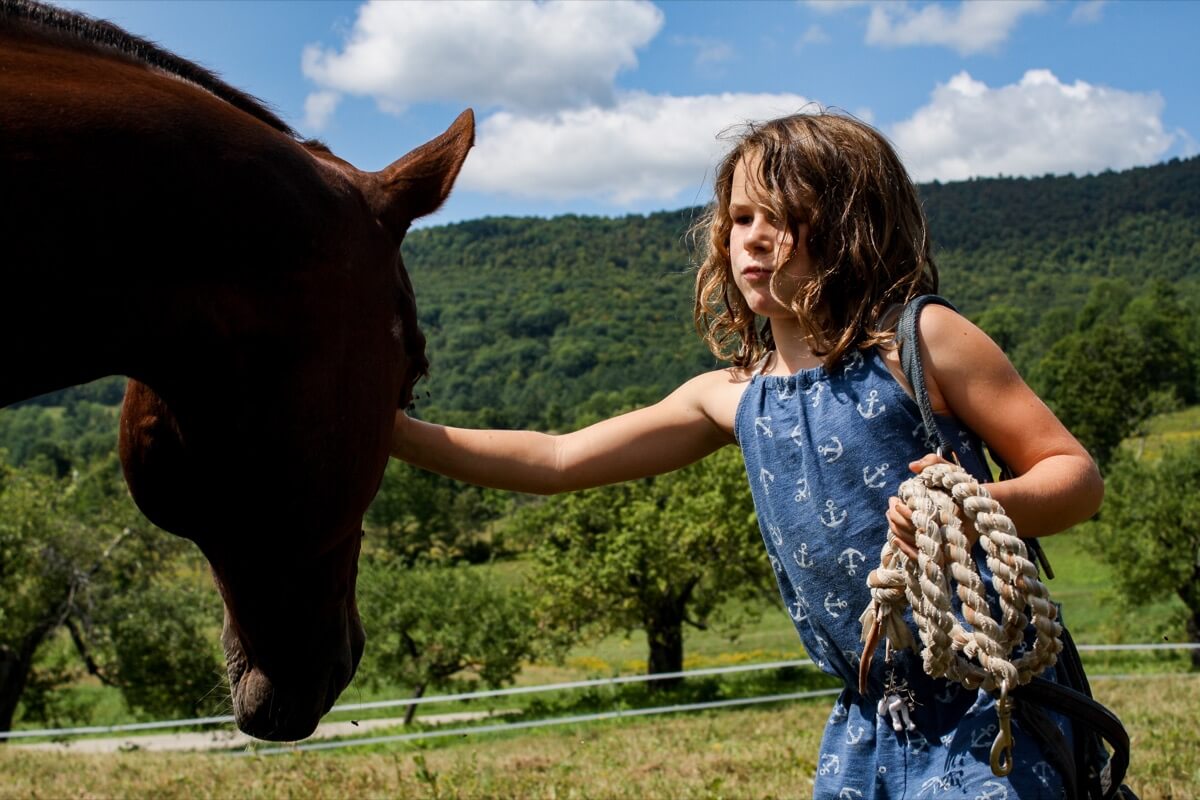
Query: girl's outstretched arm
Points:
[968, 375]
[690, 423]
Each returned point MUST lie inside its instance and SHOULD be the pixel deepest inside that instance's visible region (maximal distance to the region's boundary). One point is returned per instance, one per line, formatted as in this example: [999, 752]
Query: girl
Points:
[815, 240]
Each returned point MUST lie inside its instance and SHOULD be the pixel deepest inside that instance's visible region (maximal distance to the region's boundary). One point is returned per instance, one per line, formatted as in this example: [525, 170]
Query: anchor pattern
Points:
[851, 559]
[948, 693]
[799, 609]
[824, 450]
[833, 516]
[833, 451]
[814, 393]
[992, 790]
[873, 477]
[853, 362]
[766, 478]
[874, 407]
[936, 785]
[797, 436]
[834, 605]
[983, 737]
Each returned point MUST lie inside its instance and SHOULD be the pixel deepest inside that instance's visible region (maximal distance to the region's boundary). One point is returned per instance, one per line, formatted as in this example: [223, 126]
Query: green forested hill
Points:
[534, 321]
[537, 321]
[552, 322]
[1045, 240]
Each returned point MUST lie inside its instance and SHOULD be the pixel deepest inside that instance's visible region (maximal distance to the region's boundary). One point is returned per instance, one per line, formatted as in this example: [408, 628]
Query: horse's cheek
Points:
[154, 462]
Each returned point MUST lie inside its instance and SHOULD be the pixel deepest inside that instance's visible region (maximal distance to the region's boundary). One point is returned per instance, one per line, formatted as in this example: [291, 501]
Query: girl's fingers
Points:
[926, 461]
[899, 519]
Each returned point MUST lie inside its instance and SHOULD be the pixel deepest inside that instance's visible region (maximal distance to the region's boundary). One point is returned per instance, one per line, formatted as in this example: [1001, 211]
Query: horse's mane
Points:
[104, 34]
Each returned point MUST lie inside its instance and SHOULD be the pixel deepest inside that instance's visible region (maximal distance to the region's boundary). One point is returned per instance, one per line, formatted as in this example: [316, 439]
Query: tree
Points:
[425, 516]
[433, 627]
[1092, 383]
[1007, 325]
[653, 555]
[76, 556]
[45, 558]
[1149, 531]
[1135, 359]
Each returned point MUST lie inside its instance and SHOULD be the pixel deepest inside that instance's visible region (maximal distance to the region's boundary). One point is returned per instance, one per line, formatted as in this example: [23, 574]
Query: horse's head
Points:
[265, 440]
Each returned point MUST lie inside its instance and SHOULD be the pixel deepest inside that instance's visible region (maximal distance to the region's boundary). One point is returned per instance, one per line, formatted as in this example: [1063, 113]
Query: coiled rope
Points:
[980, 656]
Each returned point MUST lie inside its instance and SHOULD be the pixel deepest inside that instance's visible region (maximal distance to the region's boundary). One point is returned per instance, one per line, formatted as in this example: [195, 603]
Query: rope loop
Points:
[978, 653]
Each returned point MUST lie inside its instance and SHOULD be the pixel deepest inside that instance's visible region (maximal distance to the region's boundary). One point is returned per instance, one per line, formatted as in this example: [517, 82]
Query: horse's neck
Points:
[56, 337]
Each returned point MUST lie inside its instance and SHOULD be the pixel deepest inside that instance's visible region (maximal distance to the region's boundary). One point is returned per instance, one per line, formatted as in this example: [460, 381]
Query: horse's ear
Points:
[420, 182]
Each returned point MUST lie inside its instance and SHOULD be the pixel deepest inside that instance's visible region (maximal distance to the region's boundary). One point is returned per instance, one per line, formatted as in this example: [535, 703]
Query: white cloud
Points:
[1088, 12]
[318, 108]
[518, 55]
[646, 147]
[813, 34]
[833, 6]
[709, 52]
[973, 27]
[1188, 146]
[1036, 126]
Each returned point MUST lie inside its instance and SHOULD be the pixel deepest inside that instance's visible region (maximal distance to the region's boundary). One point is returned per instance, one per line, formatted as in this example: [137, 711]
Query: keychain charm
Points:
[898, 701]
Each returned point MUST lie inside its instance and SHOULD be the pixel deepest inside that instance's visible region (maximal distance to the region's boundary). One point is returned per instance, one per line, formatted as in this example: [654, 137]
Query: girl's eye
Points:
[742, 219]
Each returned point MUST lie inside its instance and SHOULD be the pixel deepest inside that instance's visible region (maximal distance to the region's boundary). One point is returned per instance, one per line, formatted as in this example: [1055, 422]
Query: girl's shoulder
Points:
[717, 394]
[951, 348]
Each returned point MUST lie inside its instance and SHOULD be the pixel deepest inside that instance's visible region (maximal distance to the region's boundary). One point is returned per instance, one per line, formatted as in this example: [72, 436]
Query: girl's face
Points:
[757, 244]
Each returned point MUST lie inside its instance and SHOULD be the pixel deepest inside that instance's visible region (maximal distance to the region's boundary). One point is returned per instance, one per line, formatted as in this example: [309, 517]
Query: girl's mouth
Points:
[756, 272]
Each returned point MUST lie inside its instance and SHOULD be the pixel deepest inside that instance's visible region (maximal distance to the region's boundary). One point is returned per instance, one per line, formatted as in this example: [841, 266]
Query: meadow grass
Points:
[764, 633]
[764, 752]
[1165, 430]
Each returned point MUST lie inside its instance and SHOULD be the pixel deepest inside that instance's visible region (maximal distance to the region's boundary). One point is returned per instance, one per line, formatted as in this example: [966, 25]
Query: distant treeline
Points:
[552, 323]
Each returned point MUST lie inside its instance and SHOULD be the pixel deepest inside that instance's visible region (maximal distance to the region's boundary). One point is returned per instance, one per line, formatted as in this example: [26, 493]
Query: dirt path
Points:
[226, 739]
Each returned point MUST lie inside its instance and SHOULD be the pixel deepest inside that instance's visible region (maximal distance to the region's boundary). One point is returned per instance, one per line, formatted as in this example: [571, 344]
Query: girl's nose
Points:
[762, 235]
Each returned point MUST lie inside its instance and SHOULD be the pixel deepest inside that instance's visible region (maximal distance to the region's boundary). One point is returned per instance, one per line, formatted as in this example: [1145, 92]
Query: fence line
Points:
[539, 723]
[514, 690]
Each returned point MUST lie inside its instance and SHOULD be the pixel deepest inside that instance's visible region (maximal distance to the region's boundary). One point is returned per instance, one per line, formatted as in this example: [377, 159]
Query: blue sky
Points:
[615, 107]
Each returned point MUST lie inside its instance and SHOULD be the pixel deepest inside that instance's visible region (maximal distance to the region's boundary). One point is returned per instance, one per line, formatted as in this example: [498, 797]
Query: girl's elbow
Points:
[1095, 489]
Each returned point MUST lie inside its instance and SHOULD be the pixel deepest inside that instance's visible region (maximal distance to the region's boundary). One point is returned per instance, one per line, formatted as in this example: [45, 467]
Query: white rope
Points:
[978, 656]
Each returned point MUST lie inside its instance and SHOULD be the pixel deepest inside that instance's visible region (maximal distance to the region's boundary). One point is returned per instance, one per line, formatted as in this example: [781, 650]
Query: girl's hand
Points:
[899, 516]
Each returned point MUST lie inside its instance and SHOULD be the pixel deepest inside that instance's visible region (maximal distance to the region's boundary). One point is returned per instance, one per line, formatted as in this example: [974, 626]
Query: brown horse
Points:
[160, 224]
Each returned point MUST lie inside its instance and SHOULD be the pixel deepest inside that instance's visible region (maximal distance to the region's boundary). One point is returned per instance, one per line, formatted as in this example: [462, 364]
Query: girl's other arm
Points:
[1058, 484]
[683, 427]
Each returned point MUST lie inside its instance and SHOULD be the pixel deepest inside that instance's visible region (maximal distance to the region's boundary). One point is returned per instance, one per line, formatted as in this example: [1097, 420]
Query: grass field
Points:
[761, 752]
[766, 752]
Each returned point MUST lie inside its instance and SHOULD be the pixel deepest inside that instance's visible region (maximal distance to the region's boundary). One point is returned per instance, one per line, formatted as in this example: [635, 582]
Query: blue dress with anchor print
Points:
[824, 451]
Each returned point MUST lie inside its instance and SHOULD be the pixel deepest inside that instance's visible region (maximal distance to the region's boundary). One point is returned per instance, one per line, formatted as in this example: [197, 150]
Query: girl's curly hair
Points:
[868, 238]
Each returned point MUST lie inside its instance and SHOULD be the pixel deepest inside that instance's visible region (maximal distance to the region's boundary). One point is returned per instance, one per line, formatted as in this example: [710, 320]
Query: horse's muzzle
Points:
[284, 704]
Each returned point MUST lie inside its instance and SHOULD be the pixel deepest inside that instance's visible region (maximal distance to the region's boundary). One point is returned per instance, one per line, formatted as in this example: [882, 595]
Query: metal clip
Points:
[1002, 758]
[948, 454]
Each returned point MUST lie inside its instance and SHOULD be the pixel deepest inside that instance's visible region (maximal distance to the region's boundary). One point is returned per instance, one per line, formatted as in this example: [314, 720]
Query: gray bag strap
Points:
[914, 370]
[907, 339]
